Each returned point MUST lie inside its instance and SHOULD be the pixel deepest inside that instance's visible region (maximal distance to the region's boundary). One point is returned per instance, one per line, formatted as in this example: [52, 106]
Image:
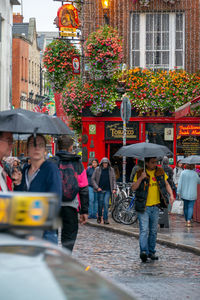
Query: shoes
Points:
[99, 220]
[188, 224]
[143, 256]
[153, 256]
[106, 222]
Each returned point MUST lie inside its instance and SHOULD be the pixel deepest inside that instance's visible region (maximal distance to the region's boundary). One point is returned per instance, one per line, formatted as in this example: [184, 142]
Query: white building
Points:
[6, 20]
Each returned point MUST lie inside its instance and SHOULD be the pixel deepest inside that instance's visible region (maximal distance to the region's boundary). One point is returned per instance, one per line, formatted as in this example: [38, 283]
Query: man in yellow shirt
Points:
[152, 190]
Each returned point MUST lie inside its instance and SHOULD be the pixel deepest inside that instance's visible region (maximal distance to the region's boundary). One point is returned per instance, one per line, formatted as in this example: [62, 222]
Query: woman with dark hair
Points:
[187, 189]
[176, 174]
[93, 204]
[40, 175]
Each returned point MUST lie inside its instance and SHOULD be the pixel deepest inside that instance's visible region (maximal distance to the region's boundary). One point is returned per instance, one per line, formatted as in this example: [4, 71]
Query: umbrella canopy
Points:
[191, 160]
[142, 150]
[25, 121]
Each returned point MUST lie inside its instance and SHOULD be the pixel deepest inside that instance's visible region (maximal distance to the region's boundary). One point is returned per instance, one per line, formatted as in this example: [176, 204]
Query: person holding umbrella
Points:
[6, 142]
[152, 189]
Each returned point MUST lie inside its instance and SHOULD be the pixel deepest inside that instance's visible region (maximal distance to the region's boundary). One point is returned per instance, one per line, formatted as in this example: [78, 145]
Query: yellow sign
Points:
[68, 29]
[65, 33]
[4, 203]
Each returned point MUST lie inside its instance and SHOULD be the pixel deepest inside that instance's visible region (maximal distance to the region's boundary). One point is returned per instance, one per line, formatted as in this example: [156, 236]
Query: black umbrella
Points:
[25, 121]
[191, 160]
[142, 150]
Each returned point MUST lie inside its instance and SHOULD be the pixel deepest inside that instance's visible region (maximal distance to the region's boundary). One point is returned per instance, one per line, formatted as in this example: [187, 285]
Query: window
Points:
[157, 40]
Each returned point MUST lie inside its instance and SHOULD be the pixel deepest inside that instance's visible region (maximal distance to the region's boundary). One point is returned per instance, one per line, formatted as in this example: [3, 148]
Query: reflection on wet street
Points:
[176, 275]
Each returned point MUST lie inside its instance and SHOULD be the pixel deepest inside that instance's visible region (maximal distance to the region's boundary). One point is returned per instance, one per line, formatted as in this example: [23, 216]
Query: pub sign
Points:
[114, 131]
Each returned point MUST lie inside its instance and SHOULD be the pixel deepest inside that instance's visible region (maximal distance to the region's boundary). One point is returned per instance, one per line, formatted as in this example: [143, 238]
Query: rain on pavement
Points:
[176, 275]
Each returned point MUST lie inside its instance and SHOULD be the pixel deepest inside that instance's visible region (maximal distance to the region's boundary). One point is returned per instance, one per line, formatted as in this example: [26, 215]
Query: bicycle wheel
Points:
[126, 212]
[114, 212]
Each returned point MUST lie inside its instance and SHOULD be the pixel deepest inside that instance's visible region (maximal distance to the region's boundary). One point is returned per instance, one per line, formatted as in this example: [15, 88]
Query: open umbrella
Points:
[25, 121]
[142, 150]
[191, 160]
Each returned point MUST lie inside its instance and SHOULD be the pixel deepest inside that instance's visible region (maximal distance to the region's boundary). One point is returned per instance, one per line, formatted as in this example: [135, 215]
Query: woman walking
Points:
[187, 189]
[176, 175]
[93, 204]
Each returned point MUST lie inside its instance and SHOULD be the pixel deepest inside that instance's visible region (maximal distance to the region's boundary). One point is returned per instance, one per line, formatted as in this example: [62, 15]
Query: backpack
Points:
[69, 177]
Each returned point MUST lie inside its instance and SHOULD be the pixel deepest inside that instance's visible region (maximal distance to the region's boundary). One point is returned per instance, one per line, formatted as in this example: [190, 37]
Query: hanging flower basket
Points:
[103, 50]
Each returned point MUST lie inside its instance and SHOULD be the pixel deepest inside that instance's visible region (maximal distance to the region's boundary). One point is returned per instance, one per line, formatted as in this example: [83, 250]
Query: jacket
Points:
[47, 180]
[187, 185]
[7, 180]
[90, 171]
[142, 191]
[177, 173]
[82, 177]
[97, 175]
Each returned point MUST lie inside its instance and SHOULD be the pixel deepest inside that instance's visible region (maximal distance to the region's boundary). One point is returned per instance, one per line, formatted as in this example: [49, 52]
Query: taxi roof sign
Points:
[28, 210]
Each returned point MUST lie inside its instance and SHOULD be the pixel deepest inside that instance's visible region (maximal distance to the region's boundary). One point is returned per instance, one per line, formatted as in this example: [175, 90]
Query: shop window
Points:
[161, 134]
[188, 140]
[152, 43]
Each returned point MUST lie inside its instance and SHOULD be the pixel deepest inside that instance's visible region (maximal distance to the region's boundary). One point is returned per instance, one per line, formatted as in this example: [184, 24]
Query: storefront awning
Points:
[185, 109]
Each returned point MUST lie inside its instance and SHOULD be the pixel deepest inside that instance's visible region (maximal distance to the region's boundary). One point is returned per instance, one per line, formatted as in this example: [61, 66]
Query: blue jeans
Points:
[51, 236]
[93, 203]
[148, 222]
[188, 209]
[103, 203]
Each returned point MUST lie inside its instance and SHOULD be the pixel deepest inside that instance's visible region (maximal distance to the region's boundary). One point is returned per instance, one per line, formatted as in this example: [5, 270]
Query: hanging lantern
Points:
[105, 4]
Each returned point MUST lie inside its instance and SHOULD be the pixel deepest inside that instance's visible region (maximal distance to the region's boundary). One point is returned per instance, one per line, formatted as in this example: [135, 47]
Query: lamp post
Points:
[106, 6]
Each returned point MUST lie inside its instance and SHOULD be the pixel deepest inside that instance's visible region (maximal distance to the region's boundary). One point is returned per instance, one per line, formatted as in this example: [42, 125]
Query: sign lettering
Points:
[114, 130]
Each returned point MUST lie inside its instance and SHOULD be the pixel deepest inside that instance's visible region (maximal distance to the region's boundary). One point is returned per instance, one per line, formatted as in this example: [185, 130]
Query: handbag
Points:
[177, 207]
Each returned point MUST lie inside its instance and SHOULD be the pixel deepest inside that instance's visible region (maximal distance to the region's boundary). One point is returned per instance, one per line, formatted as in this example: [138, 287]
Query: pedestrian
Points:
[40, 176]
[152, 189]
[6, 142]
[104, 183]
[176, 174]
[187, 189]
[75, 187]
[138, 165]
[93, 204]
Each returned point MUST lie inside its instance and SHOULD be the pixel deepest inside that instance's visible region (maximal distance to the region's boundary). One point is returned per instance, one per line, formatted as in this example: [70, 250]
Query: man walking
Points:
[152, 189]
[74, 186]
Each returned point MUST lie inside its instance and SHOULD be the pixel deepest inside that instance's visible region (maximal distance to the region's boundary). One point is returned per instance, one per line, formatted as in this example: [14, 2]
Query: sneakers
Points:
[153, 256]
[99, 220]
[106, 222]
[143, 256]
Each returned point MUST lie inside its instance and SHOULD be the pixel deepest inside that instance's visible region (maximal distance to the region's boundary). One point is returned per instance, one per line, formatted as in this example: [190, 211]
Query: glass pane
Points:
[179, 22]
[179, 59]
[157, 41]
[157, 58]
[165, 22]
[179, 40]
[149, 58]
[135, 43]
[157, 22]
[136, 59]
[136, 22]
[165, 41]
[165, 58]
[149, 41]
[149, 22]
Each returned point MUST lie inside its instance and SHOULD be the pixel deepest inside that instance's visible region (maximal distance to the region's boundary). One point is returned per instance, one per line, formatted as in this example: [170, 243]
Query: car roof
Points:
[31, 269]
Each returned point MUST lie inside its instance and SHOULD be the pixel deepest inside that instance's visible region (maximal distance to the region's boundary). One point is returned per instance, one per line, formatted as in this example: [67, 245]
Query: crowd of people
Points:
[86, 192]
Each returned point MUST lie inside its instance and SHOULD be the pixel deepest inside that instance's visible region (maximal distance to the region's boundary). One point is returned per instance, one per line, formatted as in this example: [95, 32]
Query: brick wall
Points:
[119, 15]
[20, 54]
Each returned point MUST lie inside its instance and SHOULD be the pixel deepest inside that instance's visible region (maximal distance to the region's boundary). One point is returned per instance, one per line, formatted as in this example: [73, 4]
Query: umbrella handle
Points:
[35, 135]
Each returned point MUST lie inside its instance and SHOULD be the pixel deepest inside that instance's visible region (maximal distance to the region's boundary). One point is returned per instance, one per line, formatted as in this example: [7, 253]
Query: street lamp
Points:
[106, 6]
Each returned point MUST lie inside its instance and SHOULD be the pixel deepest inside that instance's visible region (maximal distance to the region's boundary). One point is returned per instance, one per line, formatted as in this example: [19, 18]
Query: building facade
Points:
[6, 11]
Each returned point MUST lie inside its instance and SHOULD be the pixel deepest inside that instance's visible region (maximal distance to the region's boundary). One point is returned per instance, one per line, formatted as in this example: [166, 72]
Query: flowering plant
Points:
[103, 49]
[161, 90]
[58, 62]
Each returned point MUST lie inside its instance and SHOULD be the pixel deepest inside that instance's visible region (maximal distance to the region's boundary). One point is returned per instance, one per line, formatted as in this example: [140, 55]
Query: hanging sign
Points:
[76, 64]
[68, 20]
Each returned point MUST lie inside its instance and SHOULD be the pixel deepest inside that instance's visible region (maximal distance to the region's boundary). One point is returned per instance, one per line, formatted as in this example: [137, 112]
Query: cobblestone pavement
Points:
[176, 275]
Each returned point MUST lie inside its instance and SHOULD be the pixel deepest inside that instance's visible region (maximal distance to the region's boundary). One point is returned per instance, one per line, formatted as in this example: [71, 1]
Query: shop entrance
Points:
[116, 162]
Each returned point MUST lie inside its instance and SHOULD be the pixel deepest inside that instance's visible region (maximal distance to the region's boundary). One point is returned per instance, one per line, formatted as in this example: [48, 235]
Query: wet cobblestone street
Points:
[176, 275]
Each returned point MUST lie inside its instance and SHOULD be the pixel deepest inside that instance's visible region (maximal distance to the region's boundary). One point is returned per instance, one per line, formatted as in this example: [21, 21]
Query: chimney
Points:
[17, 18]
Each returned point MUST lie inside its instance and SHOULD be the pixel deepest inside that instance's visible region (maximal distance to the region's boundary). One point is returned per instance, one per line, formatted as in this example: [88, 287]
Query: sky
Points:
[44, 11]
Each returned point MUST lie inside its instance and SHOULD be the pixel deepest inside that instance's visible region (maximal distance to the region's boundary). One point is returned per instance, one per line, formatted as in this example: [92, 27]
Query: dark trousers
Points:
[69, 232]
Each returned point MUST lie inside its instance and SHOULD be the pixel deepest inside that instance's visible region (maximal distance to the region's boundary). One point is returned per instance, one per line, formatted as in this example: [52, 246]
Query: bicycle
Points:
[126, 212]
